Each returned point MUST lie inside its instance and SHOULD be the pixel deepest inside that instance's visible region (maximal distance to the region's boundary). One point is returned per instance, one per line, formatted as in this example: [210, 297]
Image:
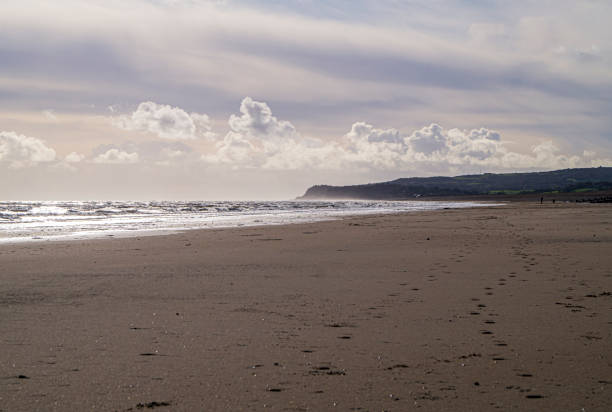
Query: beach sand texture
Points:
[499, 308]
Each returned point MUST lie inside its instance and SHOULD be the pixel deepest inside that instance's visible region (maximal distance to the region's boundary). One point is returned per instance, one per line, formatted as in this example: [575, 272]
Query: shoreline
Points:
[257, 222]
[503, 307]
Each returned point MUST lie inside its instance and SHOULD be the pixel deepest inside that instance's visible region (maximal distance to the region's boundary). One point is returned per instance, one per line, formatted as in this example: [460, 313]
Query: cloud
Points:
[256, 120]
[257, 139]
[429, 146]
[432, 148]
[164, 153]
[166, 122]
[150, 153]
[465, 62]
[116, 156]
[74, 157]
[362, 132]
[50, 115]
[428, 140]
[370, 148]
[21, 151]
[486, 34]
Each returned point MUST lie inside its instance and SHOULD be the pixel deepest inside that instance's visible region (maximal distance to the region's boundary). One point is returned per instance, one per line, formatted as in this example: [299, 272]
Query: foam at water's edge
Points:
[35, 221]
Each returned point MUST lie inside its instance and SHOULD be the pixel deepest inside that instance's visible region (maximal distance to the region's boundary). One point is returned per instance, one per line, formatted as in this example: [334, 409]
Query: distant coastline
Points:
[567, 184]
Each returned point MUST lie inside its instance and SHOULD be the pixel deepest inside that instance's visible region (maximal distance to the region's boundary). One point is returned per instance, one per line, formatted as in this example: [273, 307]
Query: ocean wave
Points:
[21, 221]
[48, 210]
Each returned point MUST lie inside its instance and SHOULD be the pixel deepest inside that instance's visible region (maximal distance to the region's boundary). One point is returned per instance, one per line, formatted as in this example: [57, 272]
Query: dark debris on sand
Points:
[150, 405]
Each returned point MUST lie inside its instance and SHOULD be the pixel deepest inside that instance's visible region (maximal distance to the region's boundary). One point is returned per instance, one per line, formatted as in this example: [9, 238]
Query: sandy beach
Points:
[496, 308]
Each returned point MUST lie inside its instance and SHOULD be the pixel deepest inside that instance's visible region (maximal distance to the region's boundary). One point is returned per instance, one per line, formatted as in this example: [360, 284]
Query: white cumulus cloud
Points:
[256, 120]
[166, 122]
[371, 148]
[257, 139]
[116, 156]
[74, 157]
[20, 151]
[428, 140]
[437, 149]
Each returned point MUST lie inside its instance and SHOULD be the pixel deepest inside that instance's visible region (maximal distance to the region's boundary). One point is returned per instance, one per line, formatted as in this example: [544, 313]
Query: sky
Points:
[260, 99]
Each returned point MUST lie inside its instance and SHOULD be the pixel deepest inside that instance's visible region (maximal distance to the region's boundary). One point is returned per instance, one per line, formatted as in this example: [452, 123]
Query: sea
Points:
[25, 221]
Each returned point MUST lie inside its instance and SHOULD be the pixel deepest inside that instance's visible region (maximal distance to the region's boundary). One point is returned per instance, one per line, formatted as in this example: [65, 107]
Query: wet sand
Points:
[505, 308]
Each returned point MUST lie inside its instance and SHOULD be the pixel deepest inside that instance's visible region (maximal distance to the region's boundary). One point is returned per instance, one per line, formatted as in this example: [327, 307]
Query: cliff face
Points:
[567, 180]
[379, 191]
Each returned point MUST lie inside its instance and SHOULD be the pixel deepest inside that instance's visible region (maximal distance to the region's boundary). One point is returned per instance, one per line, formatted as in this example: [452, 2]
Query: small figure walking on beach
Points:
[541, 199]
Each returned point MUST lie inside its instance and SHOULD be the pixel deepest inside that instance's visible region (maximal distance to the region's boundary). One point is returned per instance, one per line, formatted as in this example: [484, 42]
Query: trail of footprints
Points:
[408, 294]
[488, 332]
